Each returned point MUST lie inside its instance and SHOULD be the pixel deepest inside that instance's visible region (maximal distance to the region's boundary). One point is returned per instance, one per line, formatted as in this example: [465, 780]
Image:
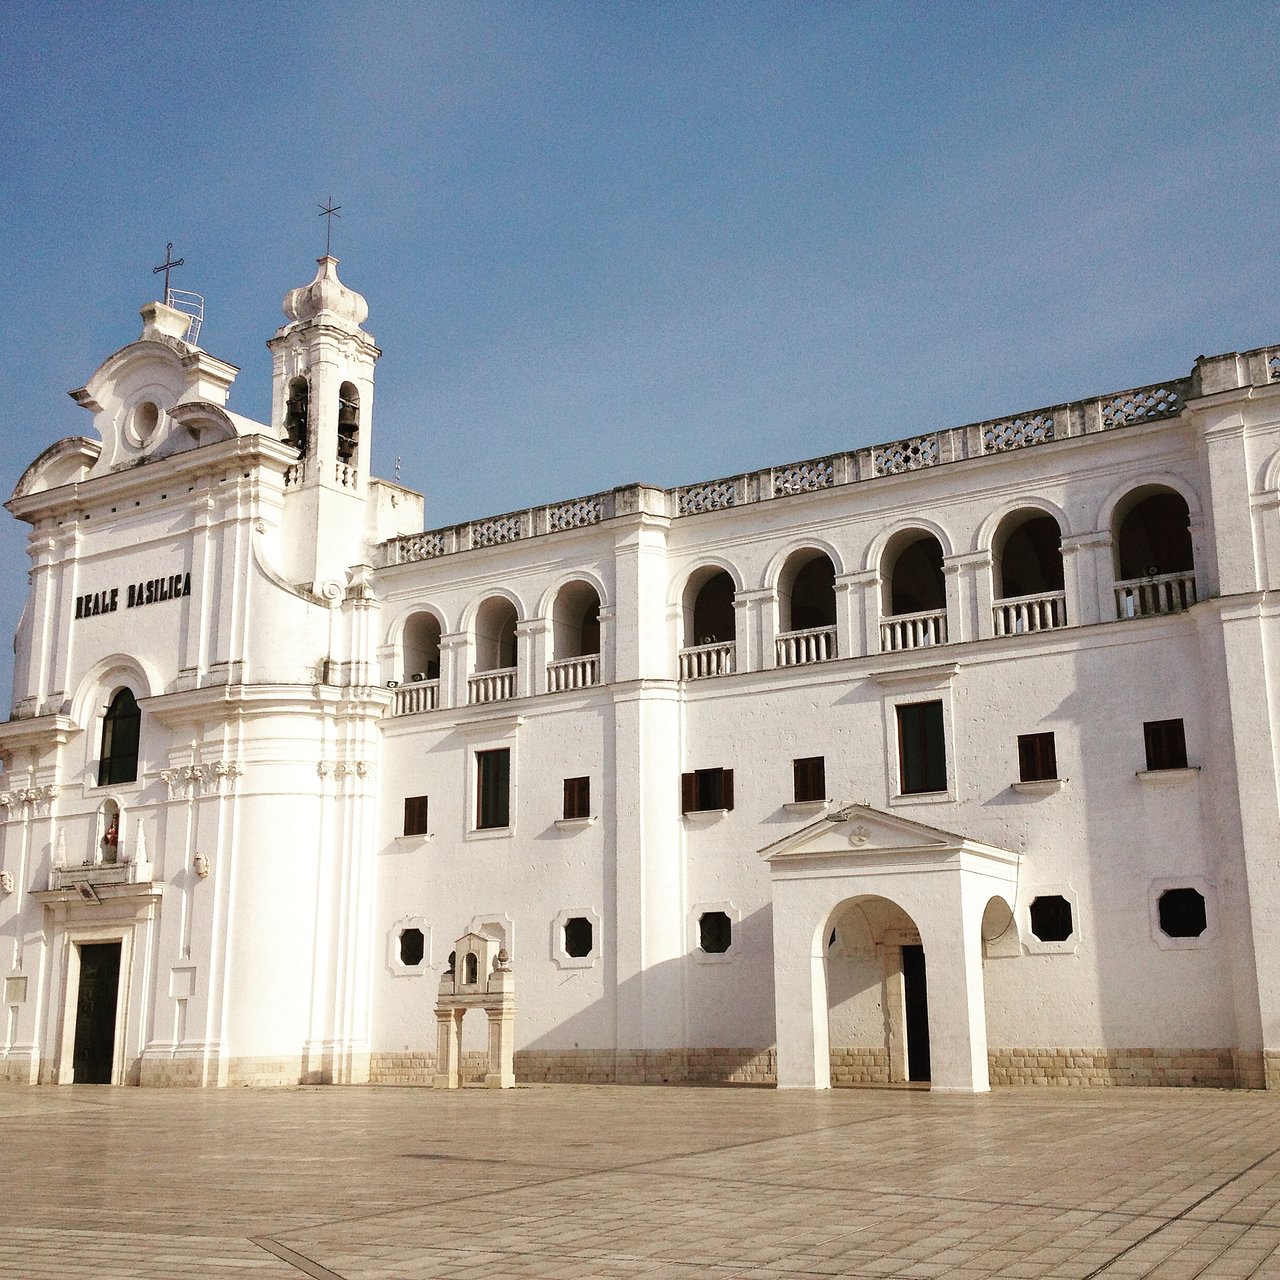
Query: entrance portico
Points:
[943, 881]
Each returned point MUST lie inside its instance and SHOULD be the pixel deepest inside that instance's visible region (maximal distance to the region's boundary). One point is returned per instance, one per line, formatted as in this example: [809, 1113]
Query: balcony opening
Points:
[575, 638]
[806, 609]
[1155, 565]
[914, 593]
[495, 633]
[1153, 537]
[709, 625]
[913, 576]
[1028, 556]
[708, 608]
[807, 592]
[1027, 568]
[421, 653]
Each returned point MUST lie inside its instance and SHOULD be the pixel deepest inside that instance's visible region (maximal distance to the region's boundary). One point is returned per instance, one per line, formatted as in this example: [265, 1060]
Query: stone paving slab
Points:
[555, 1182]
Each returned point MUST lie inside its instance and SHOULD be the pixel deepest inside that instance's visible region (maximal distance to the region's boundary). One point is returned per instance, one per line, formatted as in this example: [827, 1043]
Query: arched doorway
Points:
[935, 887]
[877, 994]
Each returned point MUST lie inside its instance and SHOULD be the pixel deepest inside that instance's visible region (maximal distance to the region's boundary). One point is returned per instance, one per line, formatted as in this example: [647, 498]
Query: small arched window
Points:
[120, 728]
[471, 969]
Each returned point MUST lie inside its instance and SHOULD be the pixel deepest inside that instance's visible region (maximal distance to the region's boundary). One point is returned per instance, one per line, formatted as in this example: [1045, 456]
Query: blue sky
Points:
[613, 242]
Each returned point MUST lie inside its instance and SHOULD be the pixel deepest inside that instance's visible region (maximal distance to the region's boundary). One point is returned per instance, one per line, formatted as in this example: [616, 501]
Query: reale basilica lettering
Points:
[149, 591]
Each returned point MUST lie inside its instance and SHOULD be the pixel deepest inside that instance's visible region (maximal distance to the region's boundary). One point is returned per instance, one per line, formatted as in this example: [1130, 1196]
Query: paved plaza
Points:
[668, 1183]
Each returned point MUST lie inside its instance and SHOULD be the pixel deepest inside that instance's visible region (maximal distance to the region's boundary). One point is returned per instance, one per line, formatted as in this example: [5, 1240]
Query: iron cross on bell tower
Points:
[166, 266]
[329, 211]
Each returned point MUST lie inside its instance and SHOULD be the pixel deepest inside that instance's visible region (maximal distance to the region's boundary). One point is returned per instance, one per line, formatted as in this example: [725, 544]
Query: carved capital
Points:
[7, 799]
[323, 768]
[363, 768]
[6, 882]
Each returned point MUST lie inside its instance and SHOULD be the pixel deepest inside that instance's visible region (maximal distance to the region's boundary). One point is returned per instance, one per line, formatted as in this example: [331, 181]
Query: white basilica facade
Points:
[951, 759]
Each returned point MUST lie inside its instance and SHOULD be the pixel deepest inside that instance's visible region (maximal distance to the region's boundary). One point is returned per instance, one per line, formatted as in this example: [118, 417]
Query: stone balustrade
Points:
[492, 686]
[573, 673]
[1017, 614]
[415, 696]
[1160, 593]
[913, 630]
[699, 661]
[795, 648]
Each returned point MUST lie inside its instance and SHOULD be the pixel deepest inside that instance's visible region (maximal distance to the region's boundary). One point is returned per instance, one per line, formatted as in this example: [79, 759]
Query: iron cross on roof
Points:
[329, 211]
[166, 266]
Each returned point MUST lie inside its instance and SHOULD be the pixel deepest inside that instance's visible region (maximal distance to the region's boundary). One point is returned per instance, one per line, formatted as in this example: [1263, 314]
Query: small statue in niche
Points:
[111, 839]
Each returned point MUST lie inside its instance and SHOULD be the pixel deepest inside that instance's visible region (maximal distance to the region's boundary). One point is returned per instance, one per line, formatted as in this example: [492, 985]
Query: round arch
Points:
[467, 622]
[394, 634]
[876, 549]
[546, 601]
[985, 535]
[820, 546]
[1141, 486]
[680, 583]
[107, 677]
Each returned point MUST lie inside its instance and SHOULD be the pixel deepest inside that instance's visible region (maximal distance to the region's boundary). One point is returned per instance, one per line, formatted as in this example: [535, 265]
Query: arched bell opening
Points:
[877, 994]
[297, 415]
[348, 423]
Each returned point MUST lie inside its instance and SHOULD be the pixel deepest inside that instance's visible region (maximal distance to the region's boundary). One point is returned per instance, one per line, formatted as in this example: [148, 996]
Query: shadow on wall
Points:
[718, 994]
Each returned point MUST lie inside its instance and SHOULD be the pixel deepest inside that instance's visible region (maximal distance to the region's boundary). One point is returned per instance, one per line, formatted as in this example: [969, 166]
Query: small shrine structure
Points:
[480, 977]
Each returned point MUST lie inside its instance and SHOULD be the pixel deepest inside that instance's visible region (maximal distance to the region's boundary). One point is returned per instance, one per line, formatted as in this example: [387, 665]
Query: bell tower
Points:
[322, 405]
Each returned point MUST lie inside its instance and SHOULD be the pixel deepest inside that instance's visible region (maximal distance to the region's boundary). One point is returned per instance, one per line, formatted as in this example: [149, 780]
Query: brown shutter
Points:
[688, 792]
[726, 788]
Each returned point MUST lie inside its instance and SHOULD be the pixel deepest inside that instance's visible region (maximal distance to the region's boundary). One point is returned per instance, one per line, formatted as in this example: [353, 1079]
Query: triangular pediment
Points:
[855, 829]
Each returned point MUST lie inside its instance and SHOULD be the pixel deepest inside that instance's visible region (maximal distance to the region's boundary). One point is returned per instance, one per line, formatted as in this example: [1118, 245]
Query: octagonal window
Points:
[578, 937]
[1051, 918]
[1182, 913]
[715, 932]
[412, 947]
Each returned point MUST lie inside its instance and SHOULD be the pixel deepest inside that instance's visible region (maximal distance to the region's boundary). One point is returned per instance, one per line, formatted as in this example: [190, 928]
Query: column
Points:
[454, 651]
[448, 1048]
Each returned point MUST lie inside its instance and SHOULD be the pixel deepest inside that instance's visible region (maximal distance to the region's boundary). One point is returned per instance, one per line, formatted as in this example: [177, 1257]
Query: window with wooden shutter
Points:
[577, 798]
[493, 788]
[810, 778]
[1037, 757]
[922, 751]
[1166, 743]
[706, 789]
[415, 815]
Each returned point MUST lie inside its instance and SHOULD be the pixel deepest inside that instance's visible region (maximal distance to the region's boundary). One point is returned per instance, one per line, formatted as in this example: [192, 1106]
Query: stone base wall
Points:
[264, 1071]
[594, 1066]
[1203, 1068]
[859, 1066]
[19, 1070]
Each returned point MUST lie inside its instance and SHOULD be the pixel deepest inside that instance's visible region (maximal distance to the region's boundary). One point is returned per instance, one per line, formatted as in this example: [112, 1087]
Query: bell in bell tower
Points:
[322, 372]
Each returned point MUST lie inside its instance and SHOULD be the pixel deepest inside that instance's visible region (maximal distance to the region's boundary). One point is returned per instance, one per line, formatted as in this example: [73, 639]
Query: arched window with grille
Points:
[118, 761]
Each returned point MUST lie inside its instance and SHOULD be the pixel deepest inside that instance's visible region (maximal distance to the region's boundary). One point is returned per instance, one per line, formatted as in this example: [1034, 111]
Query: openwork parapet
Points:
[1038, 426]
